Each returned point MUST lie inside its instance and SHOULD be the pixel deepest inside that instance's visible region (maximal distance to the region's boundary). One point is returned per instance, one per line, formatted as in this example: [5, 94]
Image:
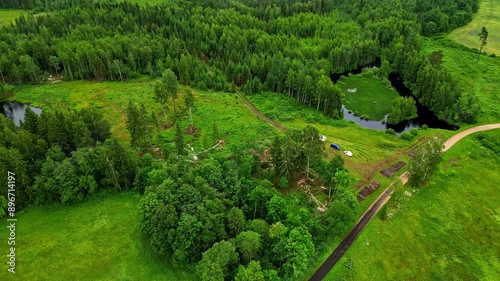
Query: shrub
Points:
[424, 127]
[390, 131]
[414, 132]
[312, 118]
[406, 136]
[369, 72]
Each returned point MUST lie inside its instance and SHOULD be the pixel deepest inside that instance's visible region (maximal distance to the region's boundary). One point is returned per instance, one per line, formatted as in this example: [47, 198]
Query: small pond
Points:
[15, 111]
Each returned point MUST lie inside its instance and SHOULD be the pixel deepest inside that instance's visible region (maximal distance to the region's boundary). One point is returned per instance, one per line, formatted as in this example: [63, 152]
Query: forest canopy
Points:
[289, 47]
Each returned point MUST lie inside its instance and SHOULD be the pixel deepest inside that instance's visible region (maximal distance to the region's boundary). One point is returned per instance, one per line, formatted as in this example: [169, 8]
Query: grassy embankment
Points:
[98, 239]
[488, 16]
[445, 231]
[371, 97]
[7, 16]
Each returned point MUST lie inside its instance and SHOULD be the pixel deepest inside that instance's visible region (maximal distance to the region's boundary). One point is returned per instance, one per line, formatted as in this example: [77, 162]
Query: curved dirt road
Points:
[325, 268]
[454, 139]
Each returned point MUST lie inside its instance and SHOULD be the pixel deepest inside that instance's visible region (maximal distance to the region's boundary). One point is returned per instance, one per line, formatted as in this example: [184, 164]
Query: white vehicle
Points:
[348, 153]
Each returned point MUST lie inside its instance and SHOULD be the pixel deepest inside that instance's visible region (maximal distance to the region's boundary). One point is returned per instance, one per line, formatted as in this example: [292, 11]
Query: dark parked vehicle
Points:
[334, 145]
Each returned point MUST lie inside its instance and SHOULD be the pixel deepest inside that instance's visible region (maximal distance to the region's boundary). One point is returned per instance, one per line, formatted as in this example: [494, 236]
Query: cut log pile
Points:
[367, 190]
[393, 169]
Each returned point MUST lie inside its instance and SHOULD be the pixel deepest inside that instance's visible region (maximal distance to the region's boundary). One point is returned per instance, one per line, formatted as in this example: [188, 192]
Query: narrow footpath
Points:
[337, 254]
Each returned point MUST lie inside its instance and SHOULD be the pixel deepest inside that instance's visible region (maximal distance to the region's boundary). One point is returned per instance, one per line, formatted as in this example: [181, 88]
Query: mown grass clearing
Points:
[488, 16]
[368, 96]
[8, 16]
[446, 231]
[98, 239]
[480, 79]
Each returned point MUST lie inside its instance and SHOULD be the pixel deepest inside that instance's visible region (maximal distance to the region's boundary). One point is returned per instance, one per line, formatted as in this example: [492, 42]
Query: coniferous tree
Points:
[483, 37]
[144, 124]
[179, 140]
[30, 122]
[134, 124]
[171, 86]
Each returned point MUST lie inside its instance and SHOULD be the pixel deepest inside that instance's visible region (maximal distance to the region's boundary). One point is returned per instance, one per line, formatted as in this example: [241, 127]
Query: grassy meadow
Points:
[481, 78]
[98, 239]
[233, 119]
[488, 16]
[445, 231]
[373, 96]
[8, 16]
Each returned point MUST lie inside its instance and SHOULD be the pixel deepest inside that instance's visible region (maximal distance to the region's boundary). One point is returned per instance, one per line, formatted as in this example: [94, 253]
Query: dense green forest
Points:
[290, 47]
[190, 209]
[233, 215]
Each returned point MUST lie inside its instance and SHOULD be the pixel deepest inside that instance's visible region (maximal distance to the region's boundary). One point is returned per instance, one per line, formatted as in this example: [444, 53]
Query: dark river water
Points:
[425, 115]
[15, 111]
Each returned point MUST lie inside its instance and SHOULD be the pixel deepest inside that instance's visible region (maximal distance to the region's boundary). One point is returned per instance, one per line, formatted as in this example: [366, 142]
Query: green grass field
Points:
[233, 119]
[372, 97]
[98, 239]
[488, 16]
[481, 78]
[446, 231]
[7, 16]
